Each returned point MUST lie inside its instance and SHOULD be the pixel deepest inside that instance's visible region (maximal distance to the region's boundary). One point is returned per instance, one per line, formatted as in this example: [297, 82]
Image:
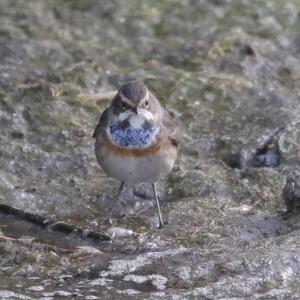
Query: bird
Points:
[136, 140]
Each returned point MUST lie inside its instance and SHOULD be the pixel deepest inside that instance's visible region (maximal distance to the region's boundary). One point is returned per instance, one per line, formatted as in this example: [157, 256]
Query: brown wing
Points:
[173, 131]
[102, 123]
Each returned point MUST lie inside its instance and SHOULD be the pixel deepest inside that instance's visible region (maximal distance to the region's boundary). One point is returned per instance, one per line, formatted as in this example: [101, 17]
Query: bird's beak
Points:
[134, 109]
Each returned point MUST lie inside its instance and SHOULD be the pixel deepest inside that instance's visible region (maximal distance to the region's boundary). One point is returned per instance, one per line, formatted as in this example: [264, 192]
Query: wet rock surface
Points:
[227, 70]
[262, 152]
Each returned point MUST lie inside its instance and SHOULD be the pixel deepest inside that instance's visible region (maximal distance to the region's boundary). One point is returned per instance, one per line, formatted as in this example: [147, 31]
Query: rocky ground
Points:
[228, 70]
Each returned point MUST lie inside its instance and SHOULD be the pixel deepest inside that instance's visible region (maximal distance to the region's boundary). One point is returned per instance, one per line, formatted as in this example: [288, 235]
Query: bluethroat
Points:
[137, 140]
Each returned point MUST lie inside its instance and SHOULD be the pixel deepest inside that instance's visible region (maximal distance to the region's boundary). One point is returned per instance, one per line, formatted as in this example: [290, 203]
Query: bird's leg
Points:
[160, 219]
[116, 200]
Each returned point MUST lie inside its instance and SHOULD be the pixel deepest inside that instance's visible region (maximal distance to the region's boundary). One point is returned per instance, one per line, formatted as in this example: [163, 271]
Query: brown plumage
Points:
[136, 109]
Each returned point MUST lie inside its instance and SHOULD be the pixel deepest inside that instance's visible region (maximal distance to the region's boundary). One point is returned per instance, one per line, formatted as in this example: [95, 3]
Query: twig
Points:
[97, 96]
[36, 245]
[53, 225]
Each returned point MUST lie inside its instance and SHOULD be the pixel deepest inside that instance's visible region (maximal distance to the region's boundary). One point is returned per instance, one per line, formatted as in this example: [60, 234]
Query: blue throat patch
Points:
[133, 138]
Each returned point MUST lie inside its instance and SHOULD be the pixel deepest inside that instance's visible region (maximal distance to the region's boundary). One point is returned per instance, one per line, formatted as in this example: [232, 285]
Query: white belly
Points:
[133, 170]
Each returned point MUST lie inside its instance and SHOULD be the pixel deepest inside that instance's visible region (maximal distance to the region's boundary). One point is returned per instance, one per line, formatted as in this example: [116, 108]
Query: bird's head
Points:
[134, 104]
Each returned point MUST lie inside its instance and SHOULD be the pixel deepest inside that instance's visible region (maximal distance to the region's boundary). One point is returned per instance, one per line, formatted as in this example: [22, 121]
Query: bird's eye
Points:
[147, 103]
[123, 105]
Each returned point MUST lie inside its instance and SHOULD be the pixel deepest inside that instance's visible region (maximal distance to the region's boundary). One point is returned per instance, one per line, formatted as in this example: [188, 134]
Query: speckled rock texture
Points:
[228, 71]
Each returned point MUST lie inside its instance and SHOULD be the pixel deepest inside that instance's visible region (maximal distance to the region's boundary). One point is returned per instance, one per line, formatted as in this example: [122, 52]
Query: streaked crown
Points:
[133, 92]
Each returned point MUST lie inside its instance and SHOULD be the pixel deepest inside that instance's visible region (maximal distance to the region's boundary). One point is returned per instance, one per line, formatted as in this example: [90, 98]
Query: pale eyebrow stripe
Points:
[125, 99]
[146, 96]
